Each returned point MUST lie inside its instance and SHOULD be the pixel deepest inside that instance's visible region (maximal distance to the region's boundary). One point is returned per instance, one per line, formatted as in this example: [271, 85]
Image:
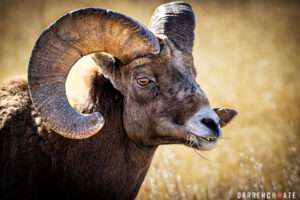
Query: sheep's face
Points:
[163, 102]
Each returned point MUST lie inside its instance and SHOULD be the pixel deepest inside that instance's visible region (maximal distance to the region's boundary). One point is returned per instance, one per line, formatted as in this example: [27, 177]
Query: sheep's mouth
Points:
[200, 142]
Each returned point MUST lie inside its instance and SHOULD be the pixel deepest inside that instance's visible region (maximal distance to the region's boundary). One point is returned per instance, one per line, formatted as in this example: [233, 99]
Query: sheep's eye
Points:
[143, 81]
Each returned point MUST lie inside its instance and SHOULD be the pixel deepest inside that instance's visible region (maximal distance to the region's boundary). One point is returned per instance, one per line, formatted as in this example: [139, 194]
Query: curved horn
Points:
[74, 35]
[176, 20]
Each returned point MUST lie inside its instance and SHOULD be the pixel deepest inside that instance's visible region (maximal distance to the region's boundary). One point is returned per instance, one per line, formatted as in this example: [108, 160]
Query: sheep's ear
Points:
[109, 68]
[175, 20]
[106, 62]
[225, 115]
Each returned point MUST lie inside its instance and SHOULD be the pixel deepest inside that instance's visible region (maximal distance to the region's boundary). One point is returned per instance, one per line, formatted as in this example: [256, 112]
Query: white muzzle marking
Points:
[197, 127]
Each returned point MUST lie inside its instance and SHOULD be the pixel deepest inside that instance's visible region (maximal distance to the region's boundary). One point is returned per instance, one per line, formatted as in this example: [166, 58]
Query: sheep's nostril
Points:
[211, 124]
[194, 89]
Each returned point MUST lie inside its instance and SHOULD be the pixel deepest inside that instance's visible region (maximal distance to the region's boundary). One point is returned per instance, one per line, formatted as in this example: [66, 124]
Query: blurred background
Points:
[247, 55]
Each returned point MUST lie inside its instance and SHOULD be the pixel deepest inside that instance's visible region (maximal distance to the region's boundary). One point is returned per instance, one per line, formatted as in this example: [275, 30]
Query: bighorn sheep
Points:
[146, 96]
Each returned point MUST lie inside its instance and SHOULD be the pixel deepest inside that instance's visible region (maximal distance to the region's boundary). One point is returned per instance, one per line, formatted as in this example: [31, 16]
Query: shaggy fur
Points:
[37, 164]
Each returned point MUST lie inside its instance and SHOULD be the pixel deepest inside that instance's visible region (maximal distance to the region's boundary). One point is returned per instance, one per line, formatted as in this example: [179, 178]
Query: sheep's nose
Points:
[212, 125]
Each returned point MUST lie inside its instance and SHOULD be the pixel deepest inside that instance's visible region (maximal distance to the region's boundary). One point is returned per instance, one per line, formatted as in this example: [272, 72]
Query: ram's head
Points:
[153, 69]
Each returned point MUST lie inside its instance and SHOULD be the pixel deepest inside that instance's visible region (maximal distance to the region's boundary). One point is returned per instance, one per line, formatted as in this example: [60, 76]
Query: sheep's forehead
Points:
[176, 64]
[168, 62]
[164, 67]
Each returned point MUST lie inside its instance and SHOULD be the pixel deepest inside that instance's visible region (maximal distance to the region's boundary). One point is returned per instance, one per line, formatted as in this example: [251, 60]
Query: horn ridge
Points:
[175, 20]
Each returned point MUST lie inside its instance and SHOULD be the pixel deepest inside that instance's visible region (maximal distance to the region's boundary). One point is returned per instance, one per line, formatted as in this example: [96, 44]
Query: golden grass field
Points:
[247, 55]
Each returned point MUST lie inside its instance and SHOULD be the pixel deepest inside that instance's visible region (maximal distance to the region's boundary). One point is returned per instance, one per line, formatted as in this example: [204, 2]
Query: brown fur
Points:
[37, 164]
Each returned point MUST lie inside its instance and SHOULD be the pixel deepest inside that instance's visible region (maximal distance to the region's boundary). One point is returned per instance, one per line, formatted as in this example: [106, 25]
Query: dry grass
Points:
[247, 57]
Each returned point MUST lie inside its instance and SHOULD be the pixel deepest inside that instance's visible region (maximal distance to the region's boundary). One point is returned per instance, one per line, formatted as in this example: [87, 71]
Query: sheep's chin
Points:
[201, 142]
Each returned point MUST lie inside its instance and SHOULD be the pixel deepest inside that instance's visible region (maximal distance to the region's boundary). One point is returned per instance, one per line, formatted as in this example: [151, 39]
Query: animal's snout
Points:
[212, 125]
